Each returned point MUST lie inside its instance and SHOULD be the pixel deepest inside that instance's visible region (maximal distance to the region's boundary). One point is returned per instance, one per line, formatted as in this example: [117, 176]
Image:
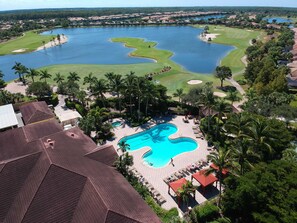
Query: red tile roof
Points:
[46, 176]
[36, 112]
[203, 179]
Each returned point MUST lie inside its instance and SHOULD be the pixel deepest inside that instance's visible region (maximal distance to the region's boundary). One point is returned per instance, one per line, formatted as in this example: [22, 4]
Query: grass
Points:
[30, 41]
[177, 77]
[240, 38]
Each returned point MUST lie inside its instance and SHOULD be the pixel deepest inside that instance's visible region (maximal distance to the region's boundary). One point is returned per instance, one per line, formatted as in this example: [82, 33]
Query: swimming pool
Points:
[162, 148]
[116, 124]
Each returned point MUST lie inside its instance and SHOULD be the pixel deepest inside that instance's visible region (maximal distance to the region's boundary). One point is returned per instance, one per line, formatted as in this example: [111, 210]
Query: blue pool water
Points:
[116, 124]
[162, 148]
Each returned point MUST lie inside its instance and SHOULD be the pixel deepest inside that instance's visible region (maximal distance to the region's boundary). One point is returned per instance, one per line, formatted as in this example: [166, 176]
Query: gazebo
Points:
[204, 180]
[176, 185]
[224, 171]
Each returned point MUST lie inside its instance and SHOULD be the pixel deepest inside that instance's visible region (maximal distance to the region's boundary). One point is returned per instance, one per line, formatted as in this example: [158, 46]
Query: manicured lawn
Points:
[177, 77]
[239, 38]
[29, 42]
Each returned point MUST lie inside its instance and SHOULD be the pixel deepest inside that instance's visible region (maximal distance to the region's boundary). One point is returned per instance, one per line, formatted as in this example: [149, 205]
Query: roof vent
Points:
[51, 143]
[48, 140]
[72, 134]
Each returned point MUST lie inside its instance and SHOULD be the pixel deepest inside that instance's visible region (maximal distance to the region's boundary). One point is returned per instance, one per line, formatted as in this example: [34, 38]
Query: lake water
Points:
[93, 46]
[278, 20]
[208, 17]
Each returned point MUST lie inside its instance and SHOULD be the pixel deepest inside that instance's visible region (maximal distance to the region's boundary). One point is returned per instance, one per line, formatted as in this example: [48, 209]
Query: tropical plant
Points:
[223, 72]
[222, 159]
[32, 73]
[44, 75]
[124, 146]
[87, 124]
[186, 190]
[2, 82]
[73, 77]
[179, 93]
[115, 85]
[233, 97]
[20, 70]
[99, 88]
[123, 163]
[129, 88]
[90, 80]
[39, 89]
[59, 78]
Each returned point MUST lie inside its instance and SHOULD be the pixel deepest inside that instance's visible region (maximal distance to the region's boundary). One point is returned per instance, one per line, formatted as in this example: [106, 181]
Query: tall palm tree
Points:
[149, 94]
[129, 88]
[73, 77]
[2, 82]
[33, 73]
[123, 162]
[81, 96]
[222, 159]
[20, 69]
[116, 85]
[222, 107]
[98, 88]
[259, 134]
[44, 74]
[139, 83]
[243, 155]
[238, 125]
[179, 93]
[208, 99]
[90, 79]
[59, 78]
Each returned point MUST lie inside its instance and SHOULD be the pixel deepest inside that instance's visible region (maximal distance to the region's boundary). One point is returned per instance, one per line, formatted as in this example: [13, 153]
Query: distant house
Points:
[51, 175]
[36, 112]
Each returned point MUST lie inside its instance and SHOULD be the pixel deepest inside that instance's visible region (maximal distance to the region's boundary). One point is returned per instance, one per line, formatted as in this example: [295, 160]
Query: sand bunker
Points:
[206, 37]
[220, 94]
[19, 51]
[193, 82]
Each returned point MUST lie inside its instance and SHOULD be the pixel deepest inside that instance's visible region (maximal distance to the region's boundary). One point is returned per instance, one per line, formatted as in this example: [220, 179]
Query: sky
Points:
[33, 4]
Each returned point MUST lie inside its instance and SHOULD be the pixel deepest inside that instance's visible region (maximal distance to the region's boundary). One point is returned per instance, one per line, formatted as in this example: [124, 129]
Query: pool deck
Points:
[155, 176]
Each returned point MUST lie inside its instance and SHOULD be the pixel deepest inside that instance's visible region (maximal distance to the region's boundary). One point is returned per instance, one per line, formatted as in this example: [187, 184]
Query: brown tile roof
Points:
[51, 179]
[104, 154]
[36, 112]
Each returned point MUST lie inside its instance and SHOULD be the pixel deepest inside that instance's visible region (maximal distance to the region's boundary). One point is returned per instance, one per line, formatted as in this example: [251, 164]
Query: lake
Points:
[209, 17]
[93, 46]
[278, 20]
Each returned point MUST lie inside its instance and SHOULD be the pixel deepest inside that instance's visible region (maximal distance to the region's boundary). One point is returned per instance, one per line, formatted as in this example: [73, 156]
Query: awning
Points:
[224, 171]
[203, 179]
[176, 185]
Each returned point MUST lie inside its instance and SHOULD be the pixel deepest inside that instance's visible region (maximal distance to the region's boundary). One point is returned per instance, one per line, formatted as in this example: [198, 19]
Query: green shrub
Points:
[164, 215]
[80, 109]
[54, 100]
[205, 213]
[69, 104]
[242, 82]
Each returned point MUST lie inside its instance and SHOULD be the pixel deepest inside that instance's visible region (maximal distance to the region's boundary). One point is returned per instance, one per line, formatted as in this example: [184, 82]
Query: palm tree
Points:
[98, 88]
[124, 146]
[123, 162]
[232, 96]
[243, 154]
[59, 78]
[33, 73]
[186, 190]
[222, 107]
[44, 74]
[129, 88]
[20, 70]
[139, 83]
[208, 99]
[81, 96]
[238, 125]
[90, 79]
[179, 93]
[222, 160]
[87, 124]
[259, 134]
[149, 94]
[116, 85]
[73, 77]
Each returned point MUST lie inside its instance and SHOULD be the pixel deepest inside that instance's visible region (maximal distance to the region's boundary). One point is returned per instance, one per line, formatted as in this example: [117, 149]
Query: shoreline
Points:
[53, 43]
[205, 37]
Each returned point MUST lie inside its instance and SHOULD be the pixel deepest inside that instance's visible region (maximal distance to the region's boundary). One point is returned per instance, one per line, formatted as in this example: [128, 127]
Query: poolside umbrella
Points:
[203, 179]
[177, 185]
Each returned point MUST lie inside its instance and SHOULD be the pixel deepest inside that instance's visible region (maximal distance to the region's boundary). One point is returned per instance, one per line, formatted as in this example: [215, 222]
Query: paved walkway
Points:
[155, 176]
